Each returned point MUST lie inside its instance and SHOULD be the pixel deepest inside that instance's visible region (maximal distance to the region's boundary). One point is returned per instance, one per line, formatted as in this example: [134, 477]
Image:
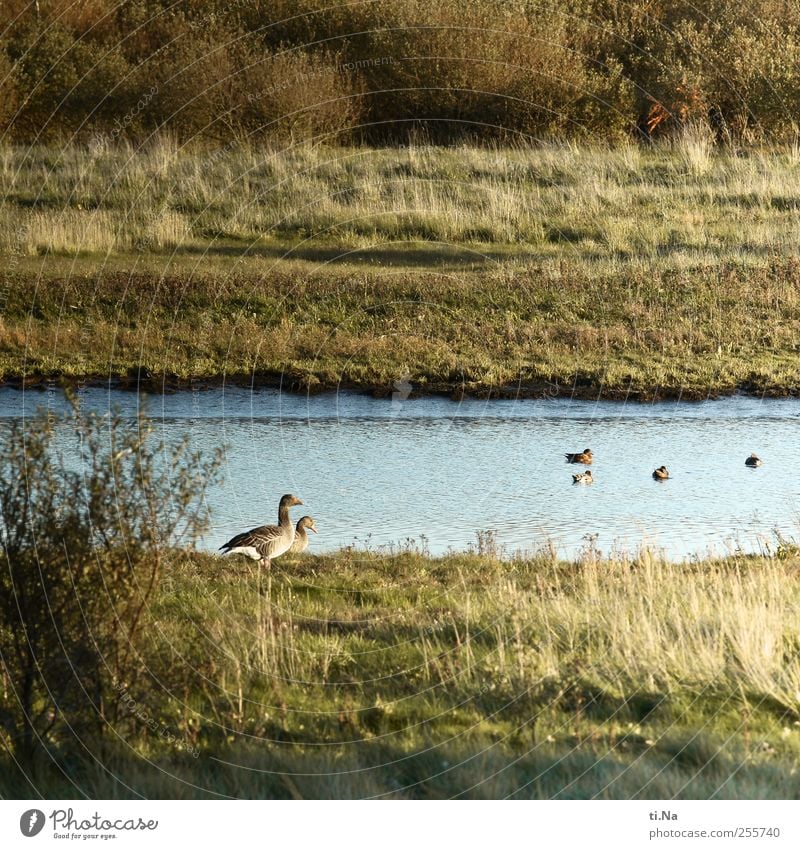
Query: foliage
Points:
[383, 71]
[83, 544]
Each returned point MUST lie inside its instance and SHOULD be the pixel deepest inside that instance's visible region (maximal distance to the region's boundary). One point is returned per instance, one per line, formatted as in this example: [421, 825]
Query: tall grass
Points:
[669, 207]
[363, 675]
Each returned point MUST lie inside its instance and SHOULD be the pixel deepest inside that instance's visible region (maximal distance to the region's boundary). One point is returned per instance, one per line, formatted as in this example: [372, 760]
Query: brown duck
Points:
[300, 536]
[584, 457]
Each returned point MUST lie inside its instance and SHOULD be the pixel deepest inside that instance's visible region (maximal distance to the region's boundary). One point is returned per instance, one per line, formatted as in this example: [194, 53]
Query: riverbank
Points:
[527, 330]
[520, 272]
[362, 674]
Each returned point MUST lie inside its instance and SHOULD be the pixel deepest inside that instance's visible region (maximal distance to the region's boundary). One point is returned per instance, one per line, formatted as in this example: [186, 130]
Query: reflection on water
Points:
[381, 471]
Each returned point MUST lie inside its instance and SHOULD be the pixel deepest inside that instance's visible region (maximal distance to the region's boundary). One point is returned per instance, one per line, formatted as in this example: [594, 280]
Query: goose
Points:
[269, 541]
[300, 536]
[661, 474]
[753, 461]
[584, 457]
[583, 477]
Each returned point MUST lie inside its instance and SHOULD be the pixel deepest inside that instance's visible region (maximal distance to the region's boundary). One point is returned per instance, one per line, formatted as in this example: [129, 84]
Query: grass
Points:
[623, 272]
[678, 205]
[397, 675]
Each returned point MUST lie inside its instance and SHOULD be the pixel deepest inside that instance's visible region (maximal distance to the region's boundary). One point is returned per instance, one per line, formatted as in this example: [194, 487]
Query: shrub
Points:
[487, 69]
[291, 95]
[220, 83]
[9, 92]
[82, 549]
[67, 84]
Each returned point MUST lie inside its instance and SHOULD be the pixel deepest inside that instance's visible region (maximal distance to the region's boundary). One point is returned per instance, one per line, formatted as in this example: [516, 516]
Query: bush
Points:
[458, 68]
[293, 95]
[82, 546]
[68, 85]
[9, 93]
[299, 69]
[218, 83]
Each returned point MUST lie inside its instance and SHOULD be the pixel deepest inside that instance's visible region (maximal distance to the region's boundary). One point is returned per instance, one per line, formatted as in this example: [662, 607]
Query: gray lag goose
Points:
[269, 541]
[300, 536]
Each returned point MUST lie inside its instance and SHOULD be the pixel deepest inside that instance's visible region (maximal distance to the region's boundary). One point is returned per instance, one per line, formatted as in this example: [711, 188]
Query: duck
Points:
[753, 461]
[300, 536]
[583, 477]
[267, 542]
[584, 457]
[661, 474]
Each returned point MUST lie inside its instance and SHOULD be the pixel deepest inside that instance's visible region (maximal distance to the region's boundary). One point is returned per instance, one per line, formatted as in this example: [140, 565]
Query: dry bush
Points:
[292, 95]
[225, 84]
[475, 69]
[489, 69]
[83, 541]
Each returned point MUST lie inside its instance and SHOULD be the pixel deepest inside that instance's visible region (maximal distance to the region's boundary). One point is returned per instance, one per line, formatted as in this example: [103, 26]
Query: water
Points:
[381, 472]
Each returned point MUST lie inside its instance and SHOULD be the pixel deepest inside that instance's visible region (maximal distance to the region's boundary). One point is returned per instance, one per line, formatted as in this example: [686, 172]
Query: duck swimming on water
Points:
[584, 457]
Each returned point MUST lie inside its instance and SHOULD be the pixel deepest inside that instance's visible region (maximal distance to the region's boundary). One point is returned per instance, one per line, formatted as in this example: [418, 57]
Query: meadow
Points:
[500, 199]
[624, 272]
[392, 674]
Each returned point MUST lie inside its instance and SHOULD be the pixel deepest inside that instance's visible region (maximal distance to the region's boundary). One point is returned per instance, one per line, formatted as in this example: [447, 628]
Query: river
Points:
[434, 472]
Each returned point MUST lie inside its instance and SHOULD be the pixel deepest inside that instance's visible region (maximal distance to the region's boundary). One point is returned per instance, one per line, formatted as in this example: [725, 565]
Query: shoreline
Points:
[300, 385]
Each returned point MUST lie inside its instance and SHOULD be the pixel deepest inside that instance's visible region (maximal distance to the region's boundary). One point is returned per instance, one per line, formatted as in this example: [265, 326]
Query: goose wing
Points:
[265, 540]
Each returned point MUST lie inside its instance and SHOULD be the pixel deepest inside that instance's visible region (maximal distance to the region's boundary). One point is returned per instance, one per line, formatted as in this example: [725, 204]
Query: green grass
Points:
[552, 270]
[360, 674]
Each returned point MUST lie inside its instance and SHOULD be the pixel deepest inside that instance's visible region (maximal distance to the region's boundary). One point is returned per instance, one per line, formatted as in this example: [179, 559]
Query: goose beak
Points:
[312, 528]
[296, 502]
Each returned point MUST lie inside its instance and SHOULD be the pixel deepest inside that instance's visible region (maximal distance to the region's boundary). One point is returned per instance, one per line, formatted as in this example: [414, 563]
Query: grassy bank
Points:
[359, 674]
[549, 271]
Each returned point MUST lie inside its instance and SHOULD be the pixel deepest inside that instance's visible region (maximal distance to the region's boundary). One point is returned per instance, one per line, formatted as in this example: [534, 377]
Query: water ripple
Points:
[384, 471]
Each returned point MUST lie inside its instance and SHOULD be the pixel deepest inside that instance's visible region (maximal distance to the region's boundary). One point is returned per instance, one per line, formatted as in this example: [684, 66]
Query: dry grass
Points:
[361, 675]
[676, 207]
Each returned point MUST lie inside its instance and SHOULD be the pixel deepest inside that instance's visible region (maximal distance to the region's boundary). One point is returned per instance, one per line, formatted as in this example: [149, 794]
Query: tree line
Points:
[379, 71]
